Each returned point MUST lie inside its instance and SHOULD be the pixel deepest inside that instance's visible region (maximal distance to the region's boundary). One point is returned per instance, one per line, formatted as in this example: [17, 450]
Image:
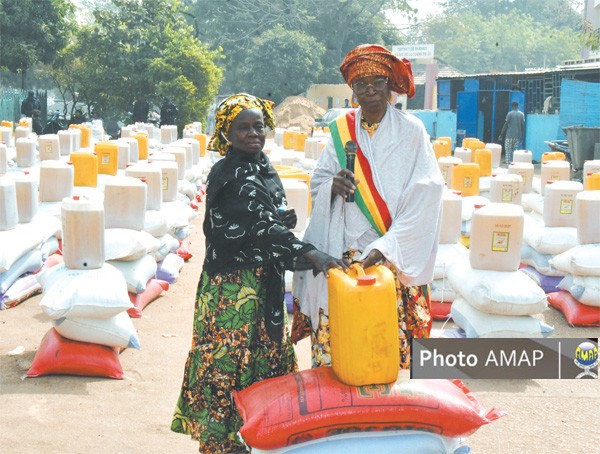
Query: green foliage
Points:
[283, 62]
[553, 13]
[239, 27]
[505, 42]
[144, 47]
[33, 31]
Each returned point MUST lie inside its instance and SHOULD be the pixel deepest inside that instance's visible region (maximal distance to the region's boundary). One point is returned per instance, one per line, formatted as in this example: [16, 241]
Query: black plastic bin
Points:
[582, 141]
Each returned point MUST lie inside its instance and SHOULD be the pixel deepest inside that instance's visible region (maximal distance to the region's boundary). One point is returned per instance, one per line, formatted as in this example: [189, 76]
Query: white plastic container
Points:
[559, 203]
[169, 171]
[173, 129]
[526, 171]
[496, 237]
[9, 216]
[21, 131]
[124, 203]
[296, 193]
[134, 155]
[591, 166]
[496, 150]
[522, 156]
[82, 233]
[65, 140]
[26, 154]
[5, 134]
[3, 158]
[76, 137]
[195, 145]
[180, 157]
[126, 131]
[123, 153]
[149, 128]
[587, 208]
[278, 136]
[464, 154]
[49, 147]
[445, 163]
[27, 197]
[451, 217]
[506, 188]
[188, 152]
[554, 171]
[56, 181]
[151, 174]
[166, 134]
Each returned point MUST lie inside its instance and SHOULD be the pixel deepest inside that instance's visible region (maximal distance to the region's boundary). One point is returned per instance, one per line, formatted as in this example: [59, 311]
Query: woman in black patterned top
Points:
[240, 323]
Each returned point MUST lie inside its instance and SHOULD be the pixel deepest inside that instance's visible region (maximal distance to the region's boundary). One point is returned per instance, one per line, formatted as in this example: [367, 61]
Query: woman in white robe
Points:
[406, 176]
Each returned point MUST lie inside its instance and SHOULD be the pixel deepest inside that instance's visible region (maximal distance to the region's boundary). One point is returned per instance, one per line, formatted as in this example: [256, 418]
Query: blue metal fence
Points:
[10, 103]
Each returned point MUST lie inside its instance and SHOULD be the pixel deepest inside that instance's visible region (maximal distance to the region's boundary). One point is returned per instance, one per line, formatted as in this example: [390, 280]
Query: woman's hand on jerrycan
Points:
[322, 262]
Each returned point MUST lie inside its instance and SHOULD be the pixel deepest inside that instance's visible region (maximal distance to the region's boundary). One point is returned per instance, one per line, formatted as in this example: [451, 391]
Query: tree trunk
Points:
[23, 75]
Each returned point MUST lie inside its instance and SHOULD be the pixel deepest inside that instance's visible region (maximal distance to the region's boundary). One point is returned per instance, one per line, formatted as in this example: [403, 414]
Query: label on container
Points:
[566, 206]
[467, 182]
[507, 195]
[500, 241]
[105, 160]
[49, 148]
[165, 183]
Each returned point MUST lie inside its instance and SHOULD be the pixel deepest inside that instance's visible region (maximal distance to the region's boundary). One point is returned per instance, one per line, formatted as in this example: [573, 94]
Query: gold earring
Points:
[354, 101]
[391, 98]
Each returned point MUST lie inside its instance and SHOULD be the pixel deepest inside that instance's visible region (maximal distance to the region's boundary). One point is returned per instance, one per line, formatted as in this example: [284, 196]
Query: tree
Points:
[283, 63]
[144, 47]
[504, 42]
[339, 25]
[553, 13]
[344, 24]
[32, 32]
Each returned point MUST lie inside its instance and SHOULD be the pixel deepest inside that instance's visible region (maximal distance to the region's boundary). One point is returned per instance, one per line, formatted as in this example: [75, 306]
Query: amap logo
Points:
[586, 358]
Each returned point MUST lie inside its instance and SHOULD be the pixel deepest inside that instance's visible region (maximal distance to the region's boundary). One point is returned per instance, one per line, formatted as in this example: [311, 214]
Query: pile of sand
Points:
[297, 111]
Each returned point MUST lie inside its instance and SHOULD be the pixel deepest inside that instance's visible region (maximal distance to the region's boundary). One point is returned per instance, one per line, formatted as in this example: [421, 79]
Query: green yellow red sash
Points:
[366, 195]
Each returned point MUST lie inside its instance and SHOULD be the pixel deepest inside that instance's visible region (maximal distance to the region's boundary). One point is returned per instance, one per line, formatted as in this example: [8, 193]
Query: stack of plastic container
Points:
[85, 297]
[450, 250]
[579, 297]
[495, 299]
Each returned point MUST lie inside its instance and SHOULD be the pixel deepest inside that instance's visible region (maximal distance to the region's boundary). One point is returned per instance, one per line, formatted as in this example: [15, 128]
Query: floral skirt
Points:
[414, 321]
[230, 351]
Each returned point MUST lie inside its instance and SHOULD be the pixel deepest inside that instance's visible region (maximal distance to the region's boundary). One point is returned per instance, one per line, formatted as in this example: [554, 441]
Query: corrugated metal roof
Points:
[444, 70]
[577, 66]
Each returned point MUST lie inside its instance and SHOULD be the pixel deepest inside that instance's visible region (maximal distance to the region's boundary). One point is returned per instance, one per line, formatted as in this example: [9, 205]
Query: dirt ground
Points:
[63, 414]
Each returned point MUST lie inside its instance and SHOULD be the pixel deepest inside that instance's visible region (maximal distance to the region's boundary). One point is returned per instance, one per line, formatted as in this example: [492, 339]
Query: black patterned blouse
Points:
[242, 227]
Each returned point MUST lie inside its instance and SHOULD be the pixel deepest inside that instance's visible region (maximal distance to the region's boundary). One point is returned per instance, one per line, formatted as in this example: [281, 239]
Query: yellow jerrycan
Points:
[363, 324]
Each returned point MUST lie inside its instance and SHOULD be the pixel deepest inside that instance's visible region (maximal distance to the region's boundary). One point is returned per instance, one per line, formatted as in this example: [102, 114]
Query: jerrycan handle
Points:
[362, 278]
[360, 271]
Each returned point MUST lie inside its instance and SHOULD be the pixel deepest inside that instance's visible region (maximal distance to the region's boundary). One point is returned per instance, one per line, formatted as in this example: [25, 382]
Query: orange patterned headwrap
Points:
[375, 60]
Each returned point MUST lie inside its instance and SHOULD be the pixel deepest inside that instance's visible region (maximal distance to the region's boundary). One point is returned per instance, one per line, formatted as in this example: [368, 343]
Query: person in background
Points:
[240, 331]
[168, 113]
[401, 176]
[30, 104]
[512, 132]
[141, 108]
[36, 122]
[77, 118]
